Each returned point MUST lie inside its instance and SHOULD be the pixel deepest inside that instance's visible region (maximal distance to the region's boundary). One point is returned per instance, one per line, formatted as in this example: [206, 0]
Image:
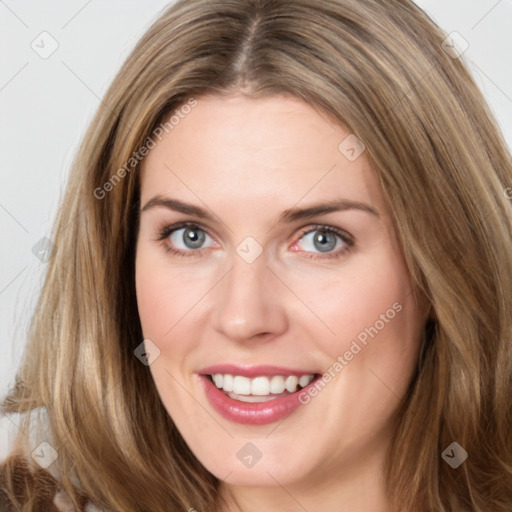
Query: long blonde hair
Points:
[378, 67]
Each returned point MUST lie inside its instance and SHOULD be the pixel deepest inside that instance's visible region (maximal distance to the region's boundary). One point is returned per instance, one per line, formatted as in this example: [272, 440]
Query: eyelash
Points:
[348, 240]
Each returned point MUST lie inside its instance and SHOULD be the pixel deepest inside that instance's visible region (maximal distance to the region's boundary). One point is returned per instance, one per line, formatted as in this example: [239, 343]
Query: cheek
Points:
[170, 301]
[163, 296]
[379, 329]
[153, 299]
[359, 302]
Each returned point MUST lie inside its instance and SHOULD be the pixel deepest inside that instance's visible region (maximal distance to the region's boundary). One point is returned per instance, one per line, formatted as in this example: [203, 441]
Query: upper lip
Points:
[252, 371]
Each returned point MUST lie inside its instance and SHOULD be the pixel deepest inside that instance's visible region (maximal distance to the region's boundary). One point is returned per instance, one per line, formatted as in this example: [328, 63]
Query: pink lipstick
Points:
[255, 395]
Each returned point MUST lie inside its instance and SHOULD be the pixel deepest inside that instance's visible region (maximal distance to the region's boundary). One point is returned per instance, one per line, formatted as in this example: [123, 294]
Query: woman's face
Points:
[266, 257]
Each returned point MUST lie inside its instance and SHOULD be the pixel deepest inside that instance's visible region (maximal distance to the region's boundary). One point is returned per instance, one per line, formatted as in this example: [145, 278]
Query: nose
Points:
[249, 304]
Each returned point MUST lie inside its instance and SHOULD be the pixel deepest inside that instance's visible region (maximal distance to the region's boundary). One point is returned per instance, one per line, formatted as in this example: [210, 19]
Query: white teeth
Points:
[251, 398]
[291, 383]
[218, 379]
[241, 385]
[228, 383]
[260, 386]
[277, 384]
[305, 380]
[237, 385]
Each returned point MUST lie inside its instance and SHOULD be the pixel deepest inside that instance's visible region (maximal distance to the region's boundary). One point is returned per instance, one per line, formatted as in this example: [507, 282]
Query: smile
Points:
[259, 389]
[255, 395]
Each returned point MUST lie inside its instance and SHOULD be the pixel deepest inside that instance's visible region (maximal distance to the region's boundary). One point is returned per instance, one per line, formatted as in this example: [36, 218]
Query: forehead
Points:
[238, 150]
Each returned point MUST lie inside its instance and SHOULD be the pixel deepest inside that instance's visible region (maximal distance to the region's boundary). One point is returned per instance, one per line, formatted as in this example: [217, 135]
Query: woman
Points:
[281, 276]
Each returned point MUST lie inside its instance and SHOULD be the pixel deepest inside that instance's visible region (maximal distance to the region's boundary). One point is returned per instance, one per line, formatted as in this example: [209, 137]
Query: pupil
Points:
[193, 238]
[324, 241]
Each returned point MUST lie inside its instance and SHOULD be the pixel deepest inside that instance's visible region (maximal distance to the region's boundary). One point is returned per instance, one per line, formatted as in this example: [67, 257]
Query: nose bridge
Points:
[248, 304]
[246, 280]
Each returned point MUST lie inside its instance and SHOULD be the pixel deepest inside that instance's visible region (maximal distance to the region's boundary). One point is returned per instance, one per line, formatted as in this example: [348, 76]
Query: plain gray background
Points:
[47, 103]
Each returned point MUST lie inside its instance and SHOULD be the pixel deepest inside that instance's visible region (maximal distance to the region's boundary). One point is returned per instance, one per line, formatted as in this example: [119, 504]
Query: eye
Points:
[189, 238]
[324, 240]
[185, 239]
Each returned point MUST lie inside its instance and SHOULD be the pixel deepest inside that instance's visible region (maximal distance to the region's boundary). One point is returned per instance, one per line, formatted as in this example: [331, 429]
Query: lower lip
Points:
[247, 413]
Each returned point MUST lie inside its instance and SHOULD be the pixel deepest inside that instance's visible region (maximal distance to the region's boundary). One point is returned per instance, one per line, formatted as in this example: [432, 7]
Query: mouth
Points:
[262, 388]
[255, 395]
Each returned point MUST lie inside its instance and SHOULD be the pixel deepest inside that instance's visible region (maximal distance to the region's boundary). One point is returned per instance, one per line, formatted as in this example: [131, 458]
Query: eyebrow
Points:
[290, 215]
[178, 206]
[335, 205]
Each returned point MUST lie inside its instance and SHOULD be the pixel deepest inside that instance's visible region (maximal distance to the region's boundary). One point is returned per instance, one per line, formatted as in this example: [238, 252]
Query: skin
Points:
[247, 161]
